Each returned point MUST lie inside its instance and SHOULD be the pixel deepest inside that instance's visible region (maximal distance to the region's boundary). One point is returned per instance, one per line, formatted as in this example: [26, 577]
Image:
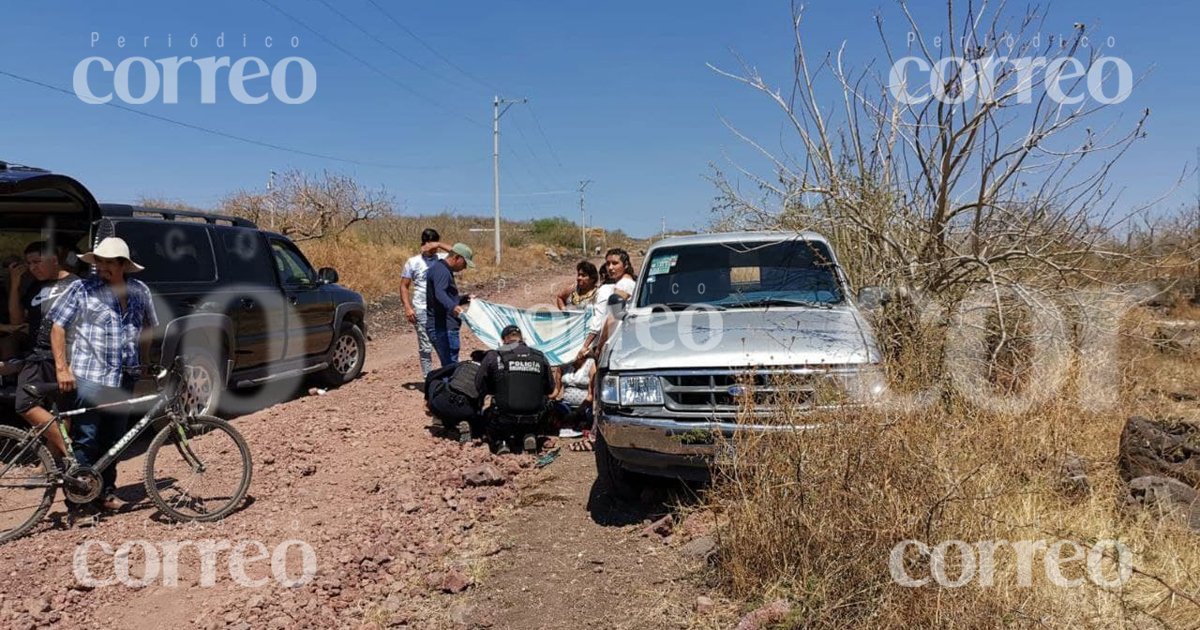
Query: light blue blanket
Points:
[557, 334]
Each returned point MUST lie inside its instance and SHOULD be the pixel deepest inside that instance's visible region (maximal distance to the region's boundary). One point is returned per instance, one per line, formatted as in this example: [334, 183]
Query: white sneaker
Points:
[569, 433]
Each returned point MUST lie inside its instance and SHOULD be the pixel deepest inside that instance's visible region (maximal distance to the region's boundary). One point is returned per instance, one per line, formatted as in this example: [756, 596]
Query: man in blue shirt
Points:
[444, 306]
[104, 316]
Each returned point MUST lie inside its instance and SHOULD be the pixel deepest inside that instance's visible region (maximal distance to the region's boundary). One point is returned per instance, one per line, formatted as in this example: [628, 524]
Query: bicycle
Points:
[202, 449]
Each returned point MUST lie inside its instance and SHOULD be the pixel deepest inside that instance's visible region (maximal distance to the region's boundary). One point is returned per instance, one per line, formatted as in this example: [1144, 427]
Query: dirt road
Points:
[397, 538]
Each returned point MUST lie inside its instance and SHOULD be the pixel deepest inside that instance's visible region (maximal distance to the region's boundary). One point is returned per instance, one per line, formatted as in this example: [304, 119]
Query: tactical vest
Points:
[463, 380]
[520, 378]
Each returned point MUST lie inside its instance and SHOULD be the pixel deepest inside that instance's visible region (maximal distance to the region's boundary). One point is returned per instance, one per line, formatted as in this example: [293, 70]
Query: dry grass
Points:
[813, 516]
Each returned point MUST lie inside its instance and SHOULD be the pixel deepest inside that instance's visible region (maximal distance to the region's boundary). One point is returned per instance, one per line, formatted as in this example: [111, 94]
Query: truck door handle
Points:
[292, 300]
[247, 304]
[189, 303]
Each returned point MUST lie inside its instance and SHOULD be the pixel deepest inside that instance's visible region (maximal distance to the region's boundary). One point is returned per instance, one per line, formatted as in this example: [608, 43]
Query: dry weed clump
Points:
[814, 515]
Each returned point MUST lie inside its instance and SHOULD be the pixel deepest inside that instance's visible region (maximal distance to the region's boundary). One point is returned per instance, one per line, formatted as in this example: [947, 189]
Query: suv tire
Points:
[203, 381]
[347, 356]
[623, 483]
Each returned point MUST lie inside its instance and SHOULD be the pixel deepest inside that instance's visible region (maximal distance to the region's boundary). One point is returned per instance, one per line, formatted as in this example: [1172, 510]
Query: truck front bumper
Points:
[673, 448]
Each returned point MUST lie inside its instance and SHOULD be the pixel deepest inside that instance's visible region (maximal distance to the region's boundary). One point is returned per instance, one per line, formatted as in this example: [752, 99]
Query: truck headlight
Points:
[865, 385]
[608, 389]
[641, 390]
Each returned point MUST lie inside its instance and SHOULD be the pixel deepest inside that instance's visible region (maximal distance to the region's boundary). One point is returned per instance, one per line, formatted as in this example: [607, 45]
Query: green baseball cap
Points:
[464, 250]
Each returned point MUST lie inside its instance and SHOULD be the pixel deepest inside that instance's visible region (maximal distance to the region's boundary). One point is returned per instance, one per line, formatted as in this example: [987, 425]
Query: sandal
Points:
[585, 445]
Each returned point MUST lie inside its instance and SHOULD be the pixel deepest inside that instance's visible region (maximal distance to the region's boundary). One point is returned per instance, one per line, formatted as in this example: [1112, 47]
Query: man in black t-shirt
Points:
[51, 282]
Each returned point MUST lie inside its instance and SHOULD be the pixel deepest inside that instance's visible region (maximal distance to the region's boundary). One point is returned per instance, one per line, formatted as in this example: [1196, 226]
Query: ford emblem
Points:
[737, 391]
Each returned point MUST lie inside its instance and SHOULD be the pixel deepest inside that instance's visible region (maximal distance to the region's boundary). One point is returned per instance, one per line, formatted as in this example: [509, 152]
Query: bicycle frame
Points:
[113, 453]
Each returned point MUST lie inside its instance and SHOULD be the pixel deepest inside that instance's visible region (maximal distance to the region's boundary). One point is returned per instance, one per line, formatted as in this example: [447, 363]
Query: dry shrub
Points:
[814, 515]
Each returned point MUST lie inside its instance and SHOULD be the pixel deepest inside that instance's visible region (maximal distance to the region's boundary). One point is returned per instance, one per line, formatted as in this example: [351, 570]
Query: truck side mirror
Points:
[871, 298]
[327, 275]
[616, 307]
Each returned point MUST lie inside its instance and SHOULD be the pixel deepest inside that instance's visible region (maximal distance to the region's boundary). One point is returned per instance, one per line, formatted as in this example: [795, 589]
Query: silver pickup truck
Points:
[718, 323]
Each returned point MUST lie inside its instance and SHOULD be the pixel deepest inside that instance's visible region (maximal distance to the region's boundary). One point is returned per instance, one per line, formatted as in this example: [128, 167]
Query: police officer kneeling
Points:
[519, 380]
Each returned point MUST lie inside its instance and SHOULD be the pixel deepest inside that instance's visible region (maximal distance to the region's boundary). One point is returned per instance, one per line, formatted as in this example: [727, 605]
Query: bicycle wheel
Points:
[27, 484]
[198, 469]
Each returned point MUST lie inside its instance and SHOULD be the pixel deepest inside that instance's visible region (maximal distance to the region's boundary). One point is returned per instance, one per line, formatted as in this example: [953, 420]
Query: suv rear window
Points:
[170, 252]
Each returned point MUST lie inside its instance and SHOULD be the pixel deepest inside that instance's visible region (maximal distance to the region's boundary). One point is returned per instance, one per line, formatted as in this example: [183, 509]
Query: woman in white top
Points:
[620, 282]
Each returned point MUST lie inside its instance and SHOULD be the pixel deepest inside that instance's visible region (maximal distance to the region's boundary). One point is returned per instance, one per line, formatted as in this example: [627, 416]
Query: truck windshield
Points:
[741, 275]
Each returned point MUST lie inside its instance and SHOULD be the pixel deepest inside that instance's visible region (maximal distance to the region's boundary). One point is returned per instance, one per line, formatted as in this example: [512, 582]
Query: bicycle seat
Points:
[40, 390]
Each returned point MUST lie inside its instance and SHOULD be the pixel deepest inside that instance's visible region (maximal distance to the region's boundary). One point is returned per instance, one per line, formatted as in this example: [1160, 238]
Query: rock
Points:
[764, 617]
[280, 622]
[308, 470]
[1166, 498]
[1073, 475]
[483, 475]
[255, 602]
[469, 615]
[701, 549]
[1160, 449]
[661, 527]
[454, 581]
[36, 605]
[696, 524]
[705, 605]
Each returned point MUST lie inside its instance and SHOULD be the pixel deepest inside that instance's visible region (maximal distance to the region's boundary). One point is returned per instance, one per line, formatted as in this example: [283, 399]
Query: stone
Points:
[1160, 448]
[705, 605]
[661, 527]
[455, 582]
[701, 549]
[483, 475]
[37, 605]
[280, 622]
[764, 617]
[1166, 498]
[1073, 475]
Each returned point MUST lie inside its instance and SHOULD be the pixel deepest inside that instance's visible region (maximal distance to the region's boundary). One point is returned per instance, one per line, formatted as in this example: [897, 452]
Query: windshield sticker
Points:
[663, 265]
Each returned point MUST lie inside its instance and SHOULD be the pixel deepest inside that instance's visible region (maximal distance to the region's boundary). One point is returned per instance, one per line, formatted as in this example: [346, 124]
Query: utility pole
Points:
[664, 227]
[496, 114]
[271, 198]
[583, 217]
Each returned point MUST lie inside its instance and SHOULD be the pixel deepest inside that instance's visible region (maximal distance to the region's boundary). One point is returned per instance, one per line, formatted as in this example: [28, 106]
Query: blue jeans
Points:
[94, 432]
[445, 343]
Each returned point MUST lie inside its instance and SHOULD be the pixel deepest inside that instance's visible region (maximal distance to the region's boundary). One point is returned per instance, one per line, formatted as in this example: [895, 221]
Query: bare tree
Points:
[304, 208]
[994, 170]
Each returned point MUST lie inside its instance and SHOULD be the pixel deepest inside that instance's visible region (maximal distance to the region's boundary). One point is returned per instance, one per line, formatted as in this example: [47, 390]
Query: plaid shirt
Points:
[104, 340]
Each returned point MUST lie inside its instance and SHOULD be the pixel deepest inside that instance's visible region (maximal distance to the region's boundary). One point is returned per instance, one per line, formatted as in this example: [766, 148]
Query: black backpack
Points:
[453, 397]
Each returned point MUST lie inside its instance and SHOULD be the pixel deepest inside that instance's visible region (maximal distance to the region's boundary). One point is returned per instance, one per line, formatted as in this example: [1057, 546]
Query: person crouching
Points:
[519, 381]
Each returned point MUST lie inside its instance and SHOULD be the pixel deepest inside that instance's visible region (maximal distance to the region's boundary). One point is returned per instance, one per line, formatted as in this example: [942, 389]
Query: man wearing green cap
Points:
[444, 307]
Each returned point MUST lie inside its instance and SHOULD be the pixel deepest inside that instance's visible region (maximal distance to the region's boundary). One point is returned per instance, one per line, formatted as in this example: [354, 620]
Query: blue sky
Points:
[620, 89]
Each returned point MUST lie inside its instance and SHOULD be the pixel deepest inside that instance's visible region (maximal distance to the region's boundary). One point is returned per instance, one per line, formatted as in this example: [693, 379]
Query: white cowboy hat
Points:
[111, 247]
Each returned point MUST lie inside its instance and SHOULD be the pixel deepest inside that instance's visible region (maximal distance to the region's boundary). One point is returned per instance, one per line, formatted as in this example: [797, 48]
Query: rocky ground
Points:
[407, 529]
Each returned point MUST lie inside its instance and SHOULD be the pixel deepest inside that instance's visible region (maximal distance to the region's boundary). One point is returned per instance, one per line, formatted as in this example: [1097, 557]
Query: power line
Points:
[230, 136]
[553, 153]
[433, 50]
[364, 62]
[388, 46]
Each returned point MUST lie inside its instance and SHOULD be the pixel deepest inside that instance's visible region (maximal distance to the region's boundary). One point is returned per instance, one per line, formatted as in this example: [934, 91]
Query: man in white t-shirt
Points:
[412, 295]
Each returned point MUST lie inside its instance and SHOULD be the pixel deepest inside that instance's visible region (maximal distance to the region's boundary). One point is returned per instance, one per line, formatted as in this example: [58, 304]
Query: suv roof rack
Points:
[122, 210]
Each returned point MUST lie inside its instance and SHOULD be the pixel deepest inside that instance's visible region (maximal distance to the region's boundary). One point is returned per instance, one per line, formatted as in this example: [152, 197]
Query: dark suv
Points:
[242, 305]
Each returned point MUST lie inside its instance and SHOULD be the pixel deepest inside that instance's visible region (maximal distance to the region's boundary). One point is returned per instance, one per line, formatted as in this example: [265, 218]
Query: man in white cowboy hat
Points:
[103, 317]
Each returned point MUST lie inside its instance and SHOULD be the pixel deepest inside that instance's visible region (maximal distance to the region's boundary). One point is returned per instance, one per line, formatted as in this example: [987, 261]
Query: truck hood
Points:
[774, 337]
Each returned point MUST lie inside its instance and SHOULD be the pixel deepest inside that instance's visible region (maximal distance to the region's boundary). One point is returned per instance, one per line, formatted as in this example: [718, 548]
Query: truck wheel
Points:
[202, 382]
[348, 355]
[625, 484]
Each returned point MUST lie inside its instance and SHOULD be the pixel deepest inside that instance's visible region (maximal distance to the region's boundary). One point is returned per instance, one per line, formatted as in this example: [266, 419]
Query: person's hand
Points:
[430, 248]
[411, 315]
[582, 356]
[459, 310]
[16, 270]
[66, 380]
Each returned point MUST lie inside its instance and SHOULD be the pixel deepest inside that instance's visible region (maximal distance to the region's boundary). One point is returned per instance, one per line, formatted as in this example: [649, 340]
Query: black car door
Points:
[310, 331]
[252, 297]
